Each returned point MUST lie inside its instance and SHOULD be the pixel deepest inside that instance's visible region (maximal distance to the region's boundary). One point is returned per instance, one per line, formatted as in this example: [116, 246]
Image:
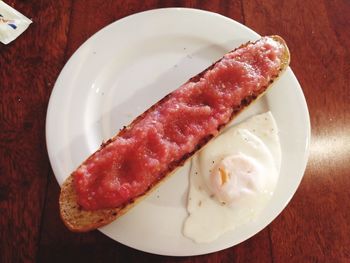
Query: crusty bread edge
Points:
[79, 220]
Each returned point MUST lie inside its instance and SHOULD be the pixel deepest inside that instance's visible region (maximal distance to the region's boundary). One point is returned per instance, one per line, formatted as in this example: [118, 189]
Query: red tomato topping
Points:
[141, 155]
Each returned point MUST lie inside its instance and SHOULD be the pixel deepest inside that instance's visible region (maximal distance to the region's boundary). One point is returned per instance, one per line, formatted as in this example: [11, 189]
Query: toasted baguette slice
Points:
[79, 220]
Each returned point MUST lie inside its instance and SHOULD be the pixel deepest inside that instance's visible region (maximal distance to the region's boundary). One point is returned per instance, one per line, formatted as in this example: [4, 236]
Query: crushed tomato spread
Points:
[141, 154]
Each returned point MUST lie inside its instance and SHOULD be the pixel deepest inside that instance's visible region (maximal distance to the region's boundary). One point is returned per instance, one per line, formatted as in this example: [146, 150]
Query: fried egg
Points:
[233, 178]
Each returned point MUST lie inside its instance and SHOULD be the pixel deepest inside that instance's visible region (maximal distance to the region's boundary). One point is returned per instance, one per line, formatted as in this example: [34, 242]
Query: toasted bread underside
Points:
[79, 220]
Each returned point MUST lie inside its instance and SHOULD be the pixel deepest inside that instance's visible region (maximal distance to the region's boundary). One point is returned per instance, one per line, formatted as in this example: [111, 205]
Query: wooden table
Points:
[315, 226]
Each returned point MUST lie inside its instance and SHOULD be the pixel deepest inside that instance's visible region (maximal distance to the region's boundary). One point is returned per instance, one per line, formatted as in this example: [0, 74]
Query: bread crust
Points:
[79, 220]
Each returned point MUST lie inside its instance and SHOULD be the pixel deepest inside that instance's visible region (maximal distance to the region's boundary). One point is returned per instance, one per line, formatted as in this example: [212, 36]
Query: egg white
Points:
[209, 218]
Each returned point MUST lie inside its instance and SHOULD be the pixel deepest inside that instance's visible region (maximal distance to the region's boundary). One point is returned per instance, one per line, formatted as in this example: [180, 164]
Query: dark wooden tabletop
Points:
[315, 226]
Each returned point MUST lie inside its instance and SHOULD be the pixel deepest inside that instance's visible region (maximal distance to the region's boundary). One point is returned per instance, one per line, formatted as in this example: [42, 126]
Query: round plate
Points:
[125, 68]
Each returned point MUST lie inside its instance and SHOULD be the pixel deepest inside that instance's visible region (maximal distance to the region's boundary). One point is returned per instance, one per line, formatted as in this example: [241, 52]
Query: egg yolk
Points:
[234, 176]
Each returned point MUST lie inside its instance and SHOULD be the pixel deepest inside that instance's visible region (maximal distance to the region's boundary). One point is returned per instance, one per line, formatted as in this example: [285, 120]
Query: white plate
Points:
[129, 65]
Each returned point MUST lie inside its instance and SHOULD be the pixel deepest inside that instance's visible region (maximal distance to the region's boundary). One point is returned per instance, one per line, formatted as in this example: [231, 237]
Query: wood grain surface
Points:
[315, 225]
